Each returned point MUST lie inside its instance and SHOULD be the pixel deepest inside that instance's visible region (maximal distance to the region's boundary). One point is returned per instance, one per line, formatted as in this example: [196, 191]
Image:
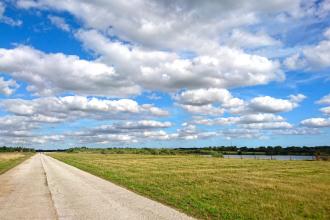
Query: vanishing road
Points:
[45, 188]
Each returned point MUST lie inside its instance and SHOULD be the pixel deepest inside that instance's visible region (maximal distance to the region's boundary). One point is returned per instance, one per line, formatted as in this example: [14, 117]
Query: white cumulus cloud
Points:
[7, 87]
[316, 122]
[269, 104]
[56, 109]
[50, 74]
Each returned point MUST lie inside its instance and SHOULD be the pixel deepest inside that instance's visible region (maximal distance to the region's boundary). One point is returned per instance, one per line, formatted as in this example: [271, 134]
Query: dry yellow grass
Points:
[9, 160]
[9, 156]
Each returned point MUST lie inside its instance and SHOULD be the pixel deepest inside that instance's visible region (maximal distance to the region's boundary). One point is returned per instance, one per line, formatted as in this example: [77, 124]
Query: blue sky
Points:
[164, 73]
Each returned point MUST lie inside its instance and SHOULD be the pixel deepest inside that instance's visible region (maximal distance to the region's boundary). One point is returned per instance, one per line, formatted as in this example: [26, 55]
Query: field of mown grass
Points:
[216, 188]
[10, 160]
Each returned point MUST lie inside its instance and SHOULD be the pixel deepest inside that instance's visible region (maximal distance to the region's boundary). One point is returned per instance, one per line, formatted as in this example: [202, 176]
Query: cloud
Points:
[236, 133]
[324, 100]
[43, 139]
[127, 127]
[29, 116]
[166, 71]
[245, 39]
[203, 110]
[318, 56]
[60, 109]
[31, 141]
[200, 97]
[191, 132]
[18, 130]
[56, 73]
[325, 110]
[107, 139]
[297, 131]
[267, 125]
[7, 20]
[269, 104]
[312, 57]
[158, 135]
[260, 118]
[216, 121]
[295, 62]
[250, 121]
[194, 52]
[170, 24]
[154, 96]
[131, 69]
[144, 124]
[15, 123]
[152, 110]
[59, 22]
[226, 68]
[128, 131]
[210, 101]
[137, 131]
[217, 101]
[7, 87]
[316, 122]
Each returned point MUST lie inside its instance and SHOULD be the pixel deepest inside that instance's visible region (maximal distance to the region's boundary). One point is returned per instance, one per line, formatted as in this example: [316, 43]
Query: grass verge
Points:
[10, 160]
[215, 188]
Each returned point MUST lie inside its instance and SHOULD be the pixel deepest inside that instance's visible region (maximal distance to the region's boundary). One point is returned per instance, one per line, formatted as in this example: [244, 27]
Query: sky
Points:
[164, 73]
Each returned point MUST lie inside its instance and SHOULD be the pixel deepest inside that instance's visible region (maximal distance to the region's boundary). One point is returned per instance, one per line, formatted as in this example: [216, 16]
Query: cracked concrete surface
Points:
[45, 188]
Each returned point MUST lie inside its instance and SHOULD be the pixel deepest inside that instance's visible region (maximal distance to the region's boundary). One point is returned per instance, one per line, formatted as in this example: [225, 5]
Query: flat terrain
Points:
[44, 188]
[215, 188]
[9, 160]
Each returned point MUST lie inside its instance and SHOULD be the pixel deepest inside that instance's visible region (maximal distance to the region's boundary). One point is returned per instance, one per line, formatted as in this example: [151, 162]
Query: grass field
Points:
[215, 188]
[9, 160]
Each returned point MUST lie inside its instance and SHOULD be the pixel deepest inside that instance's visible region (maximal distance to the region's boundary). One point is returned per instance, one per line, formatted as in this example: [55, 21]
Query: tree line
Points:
[16, 149]
[212, 150]
[273, 150]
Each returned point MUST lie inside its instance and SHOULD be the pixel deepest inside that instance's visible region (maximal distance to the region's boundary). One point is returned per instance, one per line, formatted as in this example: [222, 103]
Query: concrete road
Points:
[45, 188]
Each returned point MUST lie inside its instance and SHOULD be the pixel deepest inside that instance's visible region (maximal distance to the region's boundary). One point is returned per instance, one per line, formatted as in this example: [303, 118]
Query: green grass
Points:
[10, 160]
[216, 188]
